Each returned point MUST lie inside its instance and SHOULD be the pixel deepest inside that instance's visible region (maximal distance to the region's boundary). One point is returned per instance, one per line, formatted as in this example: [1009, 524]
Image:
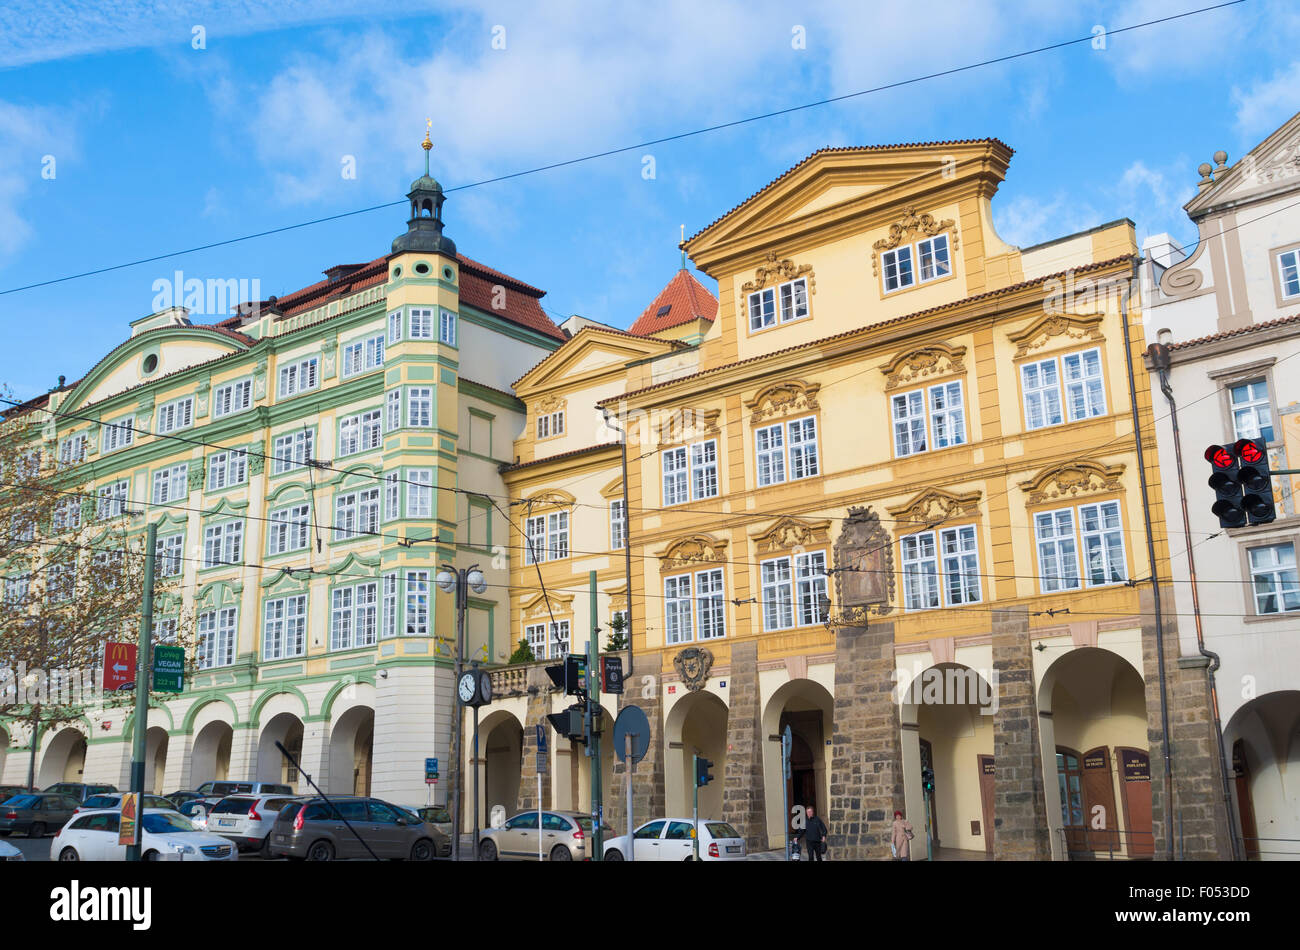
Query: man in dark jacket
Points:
[814, 835]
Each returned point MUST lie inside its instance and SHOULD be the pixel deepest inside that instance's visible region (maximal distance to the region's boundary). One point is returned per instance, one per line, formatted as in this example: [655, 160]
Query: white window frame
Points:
[420, 322]
[392, 496]
[1282, 267]
[1255, 407]
[72, 449]
[419, 406]
[417, 603]
[237, 395]
[284, 627]
[776, 585]
[395, 320]
[299, 376]
[919, 558]
[354, 616]
[111, 499]
[550, 425]
[356, 514]
[393, 403]
[1275, 571]
[936, 250]
[1102, 541]
[447, 327]
[419, 493]
[617, 525]
[1055, 546]
[118, 434]
[789, 448]
[291, 451]
[223, 544]
[170, 483]
[1089, 386]
[362, 355]
[362, 432]
[287, 529]
[549, 641]
[169, 554]
[702, 468]
[389, 606]
[227, 468]
[176, 414]
[959, 565]
[897, 268]
[218, 631]
[929, 416]
[907, 419]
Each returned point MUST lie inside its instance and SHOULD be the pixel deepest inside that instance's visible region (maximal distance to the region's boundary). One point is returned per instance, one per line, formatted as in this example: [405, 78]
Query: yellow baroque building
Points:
[886, 490]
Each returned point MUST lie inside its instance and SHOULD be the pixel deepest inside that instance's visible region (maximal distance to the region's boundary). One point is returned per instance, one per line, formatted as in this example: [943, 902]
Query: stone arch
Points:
[696, 721]
[500, 762]
[284, 689]
[64, 757]
[285, 728]
[157, 742]
[210, 752]
[192, 714]
[807, 707]
[1265, 774]
[364, 687]
[351, 748]
[128, 727]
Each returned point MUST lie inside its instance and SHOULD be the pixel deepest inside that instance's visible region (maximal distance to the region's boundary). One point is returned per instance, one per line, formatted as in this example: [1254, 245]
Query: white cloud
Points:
[1267, 103]
[32, 139]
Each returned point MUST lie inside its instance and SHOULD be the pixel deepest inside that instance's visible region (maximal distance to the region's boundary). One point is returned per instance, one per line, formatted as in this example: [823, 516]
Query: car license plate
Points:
[281, 839]
[733, 849]
[226, 822]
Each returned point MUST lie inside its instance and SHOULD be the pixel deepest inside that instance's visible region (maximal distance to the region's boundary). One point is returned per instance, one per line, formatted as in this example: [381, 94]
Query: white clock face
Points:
[487, 688]
[467, 687]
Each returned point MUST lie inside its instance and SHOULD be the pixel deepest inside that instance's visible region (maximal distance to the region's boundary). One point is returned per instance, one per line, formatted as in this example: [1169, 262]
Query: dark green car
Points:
[37, 814]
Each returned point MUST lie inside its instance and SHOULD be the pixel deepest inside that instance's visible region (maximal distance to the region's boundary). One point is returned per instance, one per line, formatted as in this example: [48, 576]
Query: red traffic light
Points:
[1219, 457]
[1248, 451]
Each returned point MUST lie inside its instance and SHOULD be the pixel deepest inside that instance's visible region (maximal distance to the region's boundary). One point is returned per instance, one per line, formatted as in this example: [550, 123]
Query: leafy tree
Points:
[523, 653]
[72, 576]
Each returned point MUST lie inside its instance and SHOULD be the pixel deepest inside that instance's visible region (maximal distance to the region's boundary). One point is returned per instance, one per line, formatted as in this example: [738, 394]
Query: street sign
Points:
[430, 771]
[119, 666]
[128, 829]
[611, 674]
[631, 721]
[169, 669]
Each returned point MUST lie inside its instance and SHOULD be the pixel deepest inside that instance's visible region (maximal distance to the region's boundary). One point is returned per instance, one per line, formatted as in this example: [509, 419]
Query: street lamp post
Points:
[460, 582]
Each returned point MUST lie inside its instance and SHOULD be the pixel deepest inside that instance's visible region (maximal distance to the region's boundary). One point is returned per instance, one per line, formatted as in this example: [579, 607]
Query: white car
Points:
[9, 853]
[672, 839]
[164, 835]
[247, 819]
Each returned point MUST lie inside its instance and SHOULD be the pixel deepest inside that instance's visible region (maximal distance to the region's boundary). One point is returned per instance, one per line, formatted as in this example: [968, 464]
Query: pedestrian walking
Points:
[900, 843]
[814, 835]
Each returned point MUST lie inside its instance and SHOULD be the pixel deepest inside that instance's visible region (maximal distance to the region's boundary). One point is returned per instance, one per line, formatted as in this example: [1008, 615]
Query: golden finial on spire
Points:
[428, 142]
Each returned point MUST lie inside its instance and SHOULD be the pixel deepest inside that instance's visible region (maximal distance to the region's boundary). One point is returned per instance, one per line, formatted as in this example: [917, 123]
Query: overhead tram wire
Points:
[955, 70]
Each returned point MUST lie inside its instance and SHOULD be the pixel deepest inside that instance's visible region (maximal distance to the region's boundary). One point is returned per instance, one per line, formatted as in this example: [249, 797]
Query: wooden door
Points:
[986, 799]
[1135, 786]
[1070, 781]
[1099, 802]
[1245, 804]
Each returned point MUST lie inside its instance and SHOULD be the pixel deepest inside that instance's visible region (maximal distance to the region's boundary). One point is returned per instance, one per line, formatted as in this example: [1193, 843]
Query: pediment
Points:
[924, 363]
[693, 549]
[591, 353]
[1271, 166]
[539, 607]
[935, 505]
[783, 399]
[554, 498]
[1060, 328]
[1071, 480]
[177, 348]
[788, 533]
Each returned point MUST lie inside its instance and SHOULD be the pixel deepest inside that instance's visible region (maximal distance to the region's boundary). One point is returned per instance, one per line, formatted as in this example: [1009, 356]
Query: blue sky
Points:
[158, 145]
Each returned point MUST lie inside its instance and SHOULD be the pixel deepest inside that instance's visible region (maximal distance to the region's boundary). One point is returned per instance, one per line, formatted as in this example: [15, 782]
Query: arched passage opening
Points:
[286, 729]
[1263, 739]
[501, 764]
[697, 724]
[155, 759]
[1097, 779]
[806, 707]
[351, 745]
[64, 759]
[210, 760]
[946, 717]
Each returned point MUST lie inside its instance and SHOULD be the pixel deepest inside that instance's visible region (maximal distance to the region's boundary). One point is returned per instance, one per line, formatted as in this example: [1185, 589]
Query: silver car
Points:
[564, 836]
[247, 820]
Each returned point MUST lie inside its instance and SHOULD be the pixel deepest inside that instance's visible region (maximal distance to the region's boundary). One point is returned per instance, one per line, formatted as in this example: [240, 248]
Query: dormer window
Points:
[779, 304]
[918, 263]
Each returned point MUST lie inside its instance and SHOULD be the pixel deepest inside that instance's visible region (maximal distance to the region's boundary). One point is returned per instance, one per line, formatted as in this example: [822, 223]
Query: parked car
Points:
[114, 800]
[197, 811]
[9, 853]
[9, 791]
[217, 790]
[437, 815]
[672, 839]
[36, 813]
[314, 830]
[247, 820]
[179, 798]
[79, 790]
[564, 836]
[92, 836]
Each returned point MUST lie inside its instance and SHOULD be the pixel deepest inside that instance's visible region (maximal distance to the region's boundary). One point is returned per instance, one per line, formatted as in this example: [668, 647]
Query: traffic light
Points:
[927, 779]
[1225, 480]
[568, 722]
[571, 675]
[1256, 480]
[702, 776]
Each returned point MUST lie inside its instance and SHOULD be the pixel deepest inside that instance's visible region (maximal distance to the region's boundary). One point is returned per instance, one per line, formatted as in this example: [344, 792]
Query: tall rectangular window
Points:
[169, 554]
[395, 327]
[1084, 397]
[762, 309]
[419, 493]
[118, 434]
[617, 524]
[677, 609]
[299, 377]
[226, 469]
[392, 496]
[769, 454]
[217, 632]
[230, 398]
[360, 433]
[447, 327]
[675, 476]
[361, 356]
[111, 499]
[704, 469]
[177, 414]
[809, 587]
[961, 565]
[417, 603]
[223, 544]
[291, 451]
[909, 423]
[393, 400]
[898, 268]
[286, 529]
[932, 256]
[171, 483]
[390, 608]
[419, 406]
[920, 571]
[67, 513]
[947, 415]
[1042, 392]
[1288, 266]
[794, 299]
[1058, 553]
[356, 513]
[284, 627]
[535, 634]
[1103, 543]
[557, 535]
[1273, 578]
[777, 594]
[918, 430]
[535, 540]
[1252, 410]
[73, 449]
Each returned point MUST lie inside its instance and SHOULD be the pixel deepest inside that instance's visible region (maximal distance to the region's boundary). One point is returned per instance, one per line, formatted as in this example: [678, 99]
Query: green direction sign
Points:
[169, 669]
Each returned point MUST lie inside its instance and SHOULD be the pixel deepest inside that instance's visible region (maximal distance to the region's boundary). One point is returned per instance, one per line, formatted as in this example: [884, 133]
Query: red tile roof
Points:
[686, 299]
[1266, 325]
[840, 150]
[516, 466]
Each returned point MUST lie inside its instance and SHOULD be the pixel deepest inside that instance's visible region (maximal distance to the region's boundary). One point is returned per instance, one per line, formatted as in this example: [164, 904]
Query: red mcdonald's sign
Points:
[119, 666]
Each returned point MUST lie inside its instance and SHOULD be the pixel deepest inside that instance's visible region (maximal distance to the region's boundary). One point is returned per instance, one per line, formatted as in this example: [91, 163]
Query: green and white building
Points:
[303, 461]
